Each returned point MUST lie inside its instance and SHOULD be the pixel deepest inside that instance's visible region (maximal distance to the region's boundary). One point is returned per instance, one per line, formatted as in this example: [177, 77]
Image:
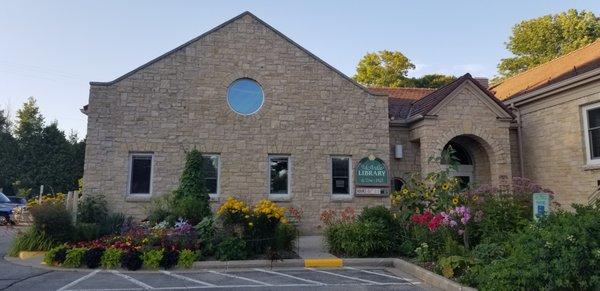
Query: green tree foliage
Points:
[38, 154]
[542, 39]
[190, 200]
[390, 69]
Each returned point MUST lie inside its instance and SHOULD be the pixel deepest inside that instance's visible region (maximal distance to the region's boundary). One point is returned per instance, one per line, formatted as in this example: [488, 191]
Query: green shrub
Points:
[30, 240]
[285, 235]
[92, 209]
[486, 253]
[561, 252]
[453, 266]
[378, 214]
[502, 216]
[52, 256]
[53, 220]
[86, 231]
[231, 248]
[112, 224]
[111, 258]
[191, 200]
[186, 258]
[152, 258]
[74, 258]
[359, 239]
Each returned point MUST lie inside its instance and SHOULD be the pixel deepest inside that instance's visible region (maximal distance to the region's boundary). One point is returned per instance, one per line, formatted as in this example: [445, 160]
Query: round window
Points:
[245, 96]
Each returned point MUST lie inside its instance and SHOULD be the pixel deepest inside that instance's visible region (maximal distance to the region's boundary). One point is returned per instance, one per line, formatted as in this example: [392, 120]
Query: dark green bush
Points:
[131, 260]
[31, 240]
[112, 224]
[359, 239]
[231, 248]
[55, 255]
[92, 257]
[191, 200]
[285, 236]
[86, 231]
[486, 253]
[502, 217]
[169, 259]
[53, 220]
[561, 252]
[92, 209]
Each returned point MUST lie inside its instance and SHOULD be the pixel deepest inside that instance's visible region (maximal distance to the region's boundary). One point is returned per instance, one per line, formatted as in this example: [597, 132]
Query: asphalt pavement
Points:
[17, 277]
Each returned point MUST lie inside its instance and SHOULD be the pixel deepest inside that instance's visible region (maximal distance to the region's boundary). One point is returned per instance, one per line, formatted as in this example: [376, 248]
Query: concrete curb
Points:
[429, 277]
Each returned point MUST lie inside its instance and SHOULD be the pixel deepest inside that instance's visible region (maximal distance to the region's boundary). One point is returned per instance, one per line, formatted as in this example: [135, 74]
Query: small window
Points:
[279, 175]
[340, 175]
[210, 169]
[140, 176]
[245, 96]
[592, 133]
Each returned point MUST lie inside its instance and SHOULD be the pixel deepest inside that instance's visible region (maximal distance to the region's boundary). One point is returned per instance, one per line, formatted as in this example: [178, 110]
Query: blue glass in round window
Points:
[245, 96]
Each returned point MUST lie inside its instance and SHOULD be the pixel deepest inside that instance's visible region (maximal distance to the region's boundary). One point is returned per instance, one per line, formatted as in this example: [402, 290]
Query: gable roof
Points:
[575, 63]
[405, 103]
[402, 92]
[246, 13]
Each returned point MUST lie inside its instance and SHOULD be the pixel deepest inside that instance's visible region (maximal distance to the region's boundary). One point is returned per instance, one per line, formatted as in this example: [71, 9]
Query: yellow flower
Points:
[475, 197]
[445, 186]
[250, 224]
[404, 191]
[455, 200]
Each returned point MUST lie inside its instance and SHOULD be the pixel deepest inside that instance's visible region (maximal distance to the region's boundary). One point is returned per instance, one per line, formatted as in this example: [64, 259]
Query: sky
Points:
[51, 50]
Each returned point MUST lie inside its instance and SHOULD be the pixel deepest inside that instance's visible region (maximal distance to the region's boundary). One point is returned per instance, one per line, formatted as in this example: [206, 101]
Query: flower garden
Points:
[180, 230]
[482, 237]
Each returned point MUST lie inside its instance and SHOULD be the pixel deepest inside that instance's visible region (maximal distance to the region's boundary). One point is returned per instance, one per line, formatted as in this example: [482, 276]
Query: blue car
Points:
[6, 209]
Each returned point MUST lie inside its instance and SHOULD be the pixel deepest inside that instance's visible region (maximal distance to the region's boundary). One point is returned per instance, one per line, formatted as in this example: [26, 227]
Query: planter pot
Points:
[24, 255]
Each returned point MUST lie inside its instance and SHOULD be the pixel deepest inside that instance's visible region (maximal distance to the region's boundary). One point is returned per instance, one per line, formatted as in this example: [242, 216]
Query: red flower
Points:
[435, 222]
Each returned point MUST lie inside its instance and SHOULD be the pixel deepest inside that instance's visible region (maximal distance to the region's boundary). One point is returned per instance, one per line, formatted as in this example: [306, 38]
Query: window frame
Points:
[262, 91]
[586, 134]
[279, 196]
[341, 196]
[132, 156]
[215, 195]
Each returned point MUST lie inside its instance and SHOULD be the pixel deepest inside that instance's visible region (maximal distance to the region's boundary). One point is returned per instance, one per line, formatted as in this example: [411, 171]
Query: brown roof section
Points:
[409, 102]
[403, 92]
[564, 67]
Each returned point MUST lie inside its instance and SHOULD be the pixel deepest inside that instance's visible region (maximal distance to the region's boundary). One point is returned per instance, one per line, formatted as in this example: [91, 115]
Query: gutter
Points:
[519, 139]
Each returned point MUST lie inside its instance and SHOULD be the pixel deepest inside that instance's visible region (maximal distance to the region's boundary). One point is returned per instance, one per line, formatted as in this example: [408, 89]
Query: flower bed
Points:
[483, 237]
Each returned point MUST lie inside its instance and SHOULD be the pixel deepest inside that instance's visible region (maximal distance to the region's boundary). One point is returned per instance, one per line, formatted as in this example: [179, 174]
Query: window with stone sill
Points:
[211, 171]
[591, 124]
[340, 175]
[140, 174]
[279, 175]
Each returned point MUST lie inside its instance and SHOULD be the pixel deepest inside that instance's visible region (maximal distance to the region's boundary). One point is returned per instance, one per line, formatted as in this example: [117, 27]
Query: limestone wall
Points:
[179, 102]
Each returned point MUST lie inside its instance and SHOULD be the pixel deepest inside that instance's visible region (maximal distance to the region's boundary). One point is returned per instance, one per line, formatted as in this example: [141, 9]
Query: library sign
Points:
[372, 178]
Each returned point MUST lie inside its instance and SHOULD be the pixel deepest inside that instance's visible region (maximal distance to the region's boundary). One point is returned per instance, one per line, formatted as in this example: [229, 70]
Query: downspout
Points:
[519, 139]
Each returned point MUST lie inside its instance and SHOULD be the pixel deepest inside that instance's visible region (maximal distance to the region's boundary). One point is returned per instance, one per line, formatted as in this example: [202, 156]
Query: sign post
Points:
[541, 205]
[372, 178]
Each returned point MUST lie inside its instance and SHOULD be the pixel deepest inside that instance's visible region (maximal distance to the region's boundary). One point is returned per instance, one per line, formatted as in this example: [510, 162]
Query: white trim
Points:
[215, 195]
[341, 196]
[588, 153]
[133, 155]
[277, 196]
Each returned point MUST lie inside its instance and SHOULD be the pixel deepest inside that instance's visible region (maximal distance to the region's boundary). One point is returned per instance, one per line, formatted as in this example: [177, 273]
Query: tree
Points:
[190, 200]
[29, 120]
[383, 69]
[539, 40]
[432, 81]
[8, 155]
[390, 69]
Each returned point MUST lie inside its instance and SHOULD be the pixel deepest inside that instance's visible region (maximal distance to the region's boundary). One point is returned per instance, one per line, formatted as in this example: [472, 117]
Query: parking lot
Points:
[257, 279]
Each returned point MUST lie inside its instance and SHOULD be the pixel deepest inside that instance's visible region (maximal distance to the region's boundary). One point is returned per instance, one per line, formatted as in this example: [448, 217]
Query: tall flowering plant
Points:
[457, 219]
[234, 211]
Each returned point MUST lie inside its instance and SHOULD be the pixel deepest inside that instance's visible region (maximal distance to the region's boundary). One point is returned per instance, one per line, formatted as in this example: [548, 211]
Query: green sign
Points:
[541, 204]
[371, 171]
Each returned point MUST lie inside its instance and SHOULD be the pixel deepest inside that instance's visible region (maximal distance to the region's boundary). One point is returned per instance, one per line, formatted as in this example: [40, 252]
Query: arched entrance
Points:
[473, 161]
